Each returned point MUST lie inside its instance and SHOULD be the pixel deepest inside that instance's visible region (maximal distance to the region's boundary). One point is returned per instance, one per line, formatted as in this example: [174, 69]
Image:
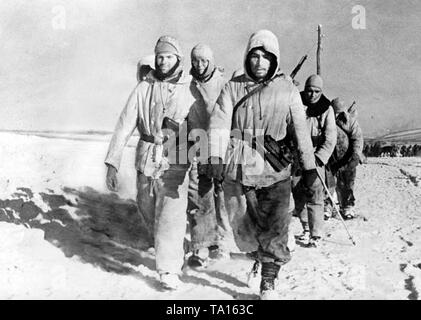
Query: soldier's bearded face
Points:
[259, 63]
[312, 94]
[166, 61]
[200, 64]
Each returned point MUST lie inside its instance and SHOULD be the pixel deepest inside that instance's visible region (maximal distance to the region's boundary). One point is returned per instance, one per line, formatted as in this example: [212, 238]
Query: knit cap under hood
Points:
[204, 52]
[168, 44]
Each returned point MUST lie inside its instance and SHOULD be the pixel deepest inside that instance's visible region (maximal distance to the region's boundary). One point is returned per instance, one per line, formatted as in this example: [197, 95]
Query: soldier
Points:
[209, 226]
[346, 157]
[248, 126]
[322, 128]
[403, 150]
[156, 107]
[414, 150]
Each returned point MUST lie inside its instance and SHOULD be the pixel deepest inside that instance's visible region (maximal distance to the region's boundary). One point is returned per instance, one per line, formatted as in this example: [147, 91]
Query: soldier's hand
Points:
[111, 180]
[354, 161]
[319, 162]
[334, 169]
[309, 178]
[215, 168]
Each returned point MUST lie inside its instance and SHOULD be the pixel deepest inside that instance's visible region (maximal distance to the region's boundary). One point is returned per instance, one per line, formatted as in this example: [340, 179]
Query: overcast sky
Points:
[76, 72]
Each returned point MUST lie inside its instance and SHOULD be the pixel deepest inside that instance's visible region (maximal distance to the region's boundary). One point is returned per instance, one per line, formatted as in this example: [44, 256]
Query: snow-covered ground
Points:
[64, 236]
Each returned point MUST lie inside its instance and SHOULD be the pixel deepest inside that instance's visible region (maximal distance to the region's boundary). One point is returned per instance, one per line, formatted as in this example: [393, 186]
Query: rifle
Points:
[298, 67]
[351, 108]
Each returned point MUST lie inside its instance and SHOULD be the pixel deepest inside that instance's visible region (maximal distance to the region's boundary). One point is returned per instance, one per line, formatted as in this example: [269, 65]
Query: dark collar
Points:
[342, 117]
[318, 108]
[205, 78]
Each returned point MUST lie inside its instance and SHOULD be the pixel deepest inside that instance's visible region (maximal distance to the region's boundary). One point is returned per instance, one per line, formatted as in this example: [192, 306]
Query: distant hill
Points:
[58, 132]
[81, 135]
[405, 136]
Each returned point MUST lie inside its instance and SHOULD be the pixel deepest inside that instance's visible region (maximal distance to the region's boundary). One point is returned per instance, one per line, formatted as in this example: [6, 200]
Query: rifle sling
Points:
[252, 92]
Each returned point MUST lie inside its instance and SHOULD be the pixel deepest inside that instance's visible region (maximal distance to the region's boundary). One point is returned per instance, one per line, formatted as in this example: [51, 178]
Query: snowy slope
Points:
[63, 235]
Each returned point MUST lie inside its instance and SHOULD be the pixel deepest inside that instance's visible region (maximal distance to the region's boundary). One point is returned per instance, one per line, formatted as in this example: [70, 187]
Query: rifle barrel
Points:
[298, 67]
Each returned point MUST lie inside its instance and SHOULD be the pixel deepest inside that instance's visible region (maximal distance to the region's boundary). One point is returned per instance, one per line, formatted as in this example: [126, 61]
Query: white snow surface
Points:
[64, 236]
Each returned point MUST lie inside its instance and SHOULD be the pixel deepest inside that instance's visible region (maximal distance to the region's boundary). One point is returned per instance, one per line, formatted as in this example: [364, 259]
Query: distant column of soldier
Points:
[387, 149]
[223, 157]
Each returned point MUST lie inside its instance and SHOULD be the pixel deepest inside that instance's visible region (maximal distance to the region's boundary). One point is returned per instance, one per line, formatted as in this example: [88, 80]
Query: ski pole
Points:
[335, 206]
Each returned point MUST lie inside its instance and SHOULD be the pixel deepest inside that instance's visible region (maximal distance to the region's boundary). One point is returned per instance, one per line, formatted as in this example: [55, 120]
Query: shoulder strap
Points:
[319, 122]
[252, 92]
[340, 125]
[246, 96]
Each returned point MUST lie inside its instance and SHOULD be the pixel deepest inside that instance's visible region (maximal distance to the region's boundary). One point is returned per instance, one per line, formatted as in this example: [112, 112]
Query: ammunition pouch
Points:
[154, 139]
[168, 123]
[277, 153]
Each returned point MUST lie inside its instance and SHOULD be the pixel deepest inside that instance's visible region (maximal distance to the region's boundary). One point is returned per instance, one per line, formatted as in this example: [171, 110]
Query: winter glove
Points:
[319, 162]
[215, 168]
[309, 177]
[111, 180]
[202, 169]
[353, 161]
[349, 163]
[334, 168]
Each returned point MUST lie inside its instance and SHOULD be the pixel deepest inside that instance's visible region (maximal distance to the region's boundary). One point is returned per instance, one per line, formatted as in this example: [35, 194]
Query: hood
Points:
[269, 42]
[204, 52]
[181, 78]
[144, 66]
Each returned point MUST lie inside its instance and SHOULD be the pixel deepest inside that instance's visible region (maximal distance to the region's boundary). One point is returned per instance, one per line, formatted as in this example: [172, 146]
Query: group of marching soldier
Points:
[224, 156]
[376, 149]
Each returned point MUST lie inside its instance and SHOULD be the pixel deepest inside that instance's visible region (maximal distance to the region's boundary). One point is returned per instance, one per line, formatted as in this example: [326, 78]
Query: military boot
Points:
[267, 285]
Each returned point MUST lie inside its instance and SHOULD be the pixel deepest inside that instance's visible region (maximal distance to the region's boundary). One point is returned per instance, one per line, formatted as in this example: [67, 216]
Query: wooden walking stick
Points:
[319, 47]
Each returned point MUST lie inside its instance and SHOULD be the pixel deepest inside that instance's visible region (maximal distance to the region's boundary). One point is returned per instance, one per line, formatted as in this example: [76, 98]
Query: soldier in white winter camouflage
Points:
[260, 107]
[346, 157]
